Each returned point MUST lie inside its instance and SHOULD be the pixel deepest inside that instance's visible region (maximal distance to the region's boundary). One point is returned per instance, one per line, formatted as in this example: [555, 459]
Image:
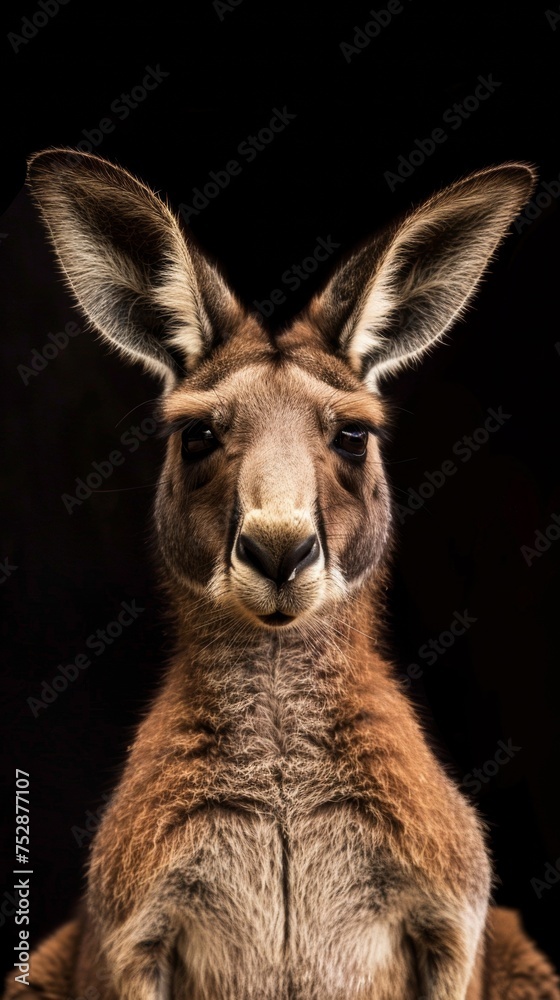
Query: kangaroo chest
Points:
[293, 889]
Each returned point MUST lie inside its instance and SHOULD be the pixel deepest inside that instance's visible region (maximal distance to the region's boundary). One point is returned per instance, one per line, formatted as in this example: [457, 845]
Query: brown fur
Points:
[282, 830]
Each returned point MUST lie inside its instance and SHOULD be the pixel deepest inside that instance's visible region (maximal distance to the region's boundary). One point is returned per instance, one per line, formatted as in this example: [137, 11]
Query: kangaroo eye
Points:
[198, 440]
[351, 441]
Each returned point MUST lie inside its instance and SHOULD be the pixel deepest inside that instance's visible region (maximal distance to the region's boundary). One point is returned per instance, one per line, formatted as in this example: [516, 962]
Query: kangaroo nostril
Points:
[255, 554]
[298, 558]
[268, 565]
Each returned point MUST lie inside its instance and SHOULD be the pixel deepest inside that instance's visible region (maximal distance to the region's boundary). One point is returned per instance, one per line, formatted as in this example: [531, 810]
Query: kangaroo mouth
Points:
[278, 618]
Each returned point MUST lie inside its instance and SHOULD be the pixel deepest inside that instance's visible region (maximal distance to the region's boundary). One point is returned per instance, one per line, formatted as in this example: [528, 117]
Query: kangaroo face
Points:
[273, 500]
[273, 497]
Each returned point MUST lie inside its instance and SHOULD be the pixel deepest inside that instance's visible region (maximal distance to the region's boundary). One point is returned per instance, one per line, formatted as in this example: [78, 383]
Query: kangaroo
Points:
[282, 829]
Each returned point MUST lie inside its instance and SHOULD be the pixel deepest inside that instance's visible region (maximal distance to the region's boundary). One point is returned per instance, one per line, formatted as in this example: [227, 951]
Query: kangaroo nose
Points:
[282, 569]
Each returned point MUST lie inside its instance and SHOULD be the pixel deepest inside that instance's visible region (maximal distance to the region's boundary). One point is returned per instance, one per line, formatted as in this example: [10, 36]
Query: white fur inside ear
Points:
[135, 274]
[189, 328]
[362, 338]
[180, 296]
[428, 270]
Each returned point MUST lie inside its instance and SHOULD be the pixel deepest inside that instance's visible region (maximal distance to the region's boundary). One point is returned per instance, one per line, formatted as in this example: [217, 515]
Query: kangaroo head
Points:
[273, 500]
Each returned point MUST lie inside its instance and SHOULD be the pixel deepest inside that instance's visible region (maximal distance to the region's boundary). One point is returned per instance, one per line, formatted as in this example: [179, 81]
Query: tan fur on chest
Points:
[292, 908]
[278, 875]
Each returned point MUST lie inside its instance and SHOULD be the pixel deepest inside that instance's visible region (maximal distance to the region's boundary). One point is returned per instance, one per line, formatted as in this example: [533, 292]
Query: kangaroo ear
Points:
[401, 291]
[142, 284]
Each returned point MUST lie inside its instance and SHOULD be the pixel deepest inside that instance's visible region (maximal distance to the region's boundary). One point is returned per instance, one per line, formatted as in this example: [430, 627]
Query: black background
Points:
[322, 176]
